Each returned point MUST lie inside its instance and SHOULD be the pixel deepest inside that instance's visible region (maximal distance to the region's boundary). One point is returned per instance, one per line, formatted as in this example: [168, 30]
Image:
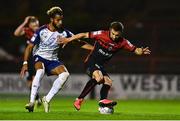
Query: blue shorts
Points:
[48, 64]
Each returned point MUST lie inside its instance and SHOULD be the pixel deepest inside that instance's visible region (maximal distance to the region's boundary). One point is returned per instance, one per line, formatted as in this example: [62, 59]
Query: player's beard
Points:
[117, 39]
[56, 26]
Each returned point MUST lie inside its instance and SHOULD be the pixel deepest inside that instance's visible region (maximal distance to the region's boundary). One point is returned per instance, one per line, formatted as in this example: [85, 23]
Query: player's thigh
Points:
[97, 75]
[39, 65]
[107, 80]
[58, 70]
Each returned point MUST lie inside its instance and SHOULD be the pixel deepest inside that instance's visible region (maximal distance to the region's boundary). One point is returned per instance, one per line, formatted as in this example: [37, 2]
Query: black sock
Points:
[89, 86]
[104, 91]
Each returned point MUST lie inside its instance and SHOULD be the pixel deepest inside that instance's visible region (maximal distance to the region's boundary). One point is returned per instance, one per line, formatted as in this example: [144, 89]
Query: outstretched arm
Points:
[20, 29]
[74, 37]
[136, 50]
[142, 51]
[87, 46]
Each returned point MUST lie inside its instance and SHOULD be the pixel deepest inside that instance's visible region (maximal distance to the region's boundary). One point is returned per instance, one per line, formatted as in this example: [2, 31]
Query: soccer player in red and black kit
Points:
[107, 43]
[27, 29]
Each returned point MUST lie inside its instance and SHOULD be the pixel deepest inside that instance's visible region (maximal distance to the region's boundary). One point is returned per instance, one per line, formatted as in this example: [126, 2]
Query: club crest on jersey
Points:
[44, 35]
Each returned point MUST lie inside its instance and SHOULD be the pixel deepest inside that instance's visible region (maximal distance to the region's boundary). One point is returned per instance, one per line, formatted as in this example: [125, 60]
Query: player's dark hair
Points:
[117, 26]
[54, 11]
[32, 20]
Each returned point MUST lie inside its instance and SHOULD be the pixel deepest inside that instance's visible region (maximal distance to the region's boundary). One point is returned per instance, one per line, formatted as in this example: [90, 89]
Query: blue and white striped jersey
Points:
[46, 42]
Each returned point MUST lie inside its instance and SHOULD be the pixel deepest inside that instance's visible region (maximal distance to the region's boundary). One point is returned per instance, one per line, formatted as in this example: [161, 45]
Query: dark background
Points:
[152, 23]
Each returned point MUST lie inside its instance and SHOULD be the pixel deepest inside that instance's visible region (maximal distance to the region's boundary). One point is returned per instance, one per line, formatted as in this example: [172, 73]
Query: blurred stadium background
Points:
[153, 23]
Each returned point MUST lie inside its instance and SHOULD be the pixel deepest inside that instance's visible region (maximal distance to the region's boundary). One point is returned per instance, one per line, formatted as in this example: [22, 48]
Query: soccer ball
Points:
[106, 110]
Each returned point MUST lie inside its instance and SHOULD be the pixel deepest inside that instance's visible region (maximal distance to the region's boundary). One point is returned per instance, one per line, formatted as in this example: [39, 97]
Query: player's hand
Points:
[146, 51]
[142, 51]
[27, 19]
[63, 40]
[23, 70]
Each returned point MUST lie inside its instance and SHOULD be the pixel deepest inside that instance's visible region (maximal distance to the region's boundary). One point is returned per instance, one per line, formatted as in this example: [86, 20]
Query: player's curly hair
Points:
[117, 26]
[54, 11]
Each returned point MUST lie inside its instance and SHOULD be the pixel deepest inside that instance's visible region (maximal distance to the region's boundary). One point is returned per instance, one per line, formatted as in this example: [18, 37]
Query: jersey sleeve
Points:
[128, 46]
[95, 34]
[35, 38]
[69, 33]
[26, 30]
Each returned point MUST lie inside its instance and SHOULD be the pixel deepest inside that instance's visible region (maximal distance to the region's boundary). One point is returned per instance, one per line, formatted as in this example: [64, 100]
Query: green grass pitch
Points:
[12, 107]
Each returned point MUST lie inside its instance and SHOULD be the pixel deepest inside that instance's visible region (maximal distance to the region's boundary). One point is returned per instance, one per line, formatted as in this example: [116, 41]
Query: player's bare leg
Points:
[63, 75]
[96, 78]
[104, 102]
[38, 99]
[35, 85]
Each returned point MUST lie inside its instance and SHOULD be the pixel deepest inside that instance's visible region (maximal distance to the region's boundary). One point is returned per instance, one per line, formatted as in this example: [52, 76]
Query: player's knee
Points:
[98, 76]
[39, 74]
[108, 82]
[63, 77]
[99, 79]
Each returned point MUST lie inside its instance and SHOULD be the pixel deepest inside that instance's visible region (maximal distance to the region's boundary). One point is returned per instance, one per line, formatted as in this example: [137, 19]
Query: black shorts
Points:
[91, 67]
[31, 69]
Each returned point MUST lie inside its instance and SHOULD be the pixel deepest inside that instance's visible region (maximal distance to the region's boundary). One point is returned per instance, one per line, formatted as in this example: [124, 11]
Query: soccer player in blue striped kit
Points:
[27, 29]
[45, 57]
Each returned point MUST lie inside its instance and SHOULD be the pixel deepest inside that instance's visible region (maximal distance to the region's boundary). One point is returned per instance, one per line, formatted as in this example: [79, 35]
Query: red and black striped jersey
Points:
[105, 47]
